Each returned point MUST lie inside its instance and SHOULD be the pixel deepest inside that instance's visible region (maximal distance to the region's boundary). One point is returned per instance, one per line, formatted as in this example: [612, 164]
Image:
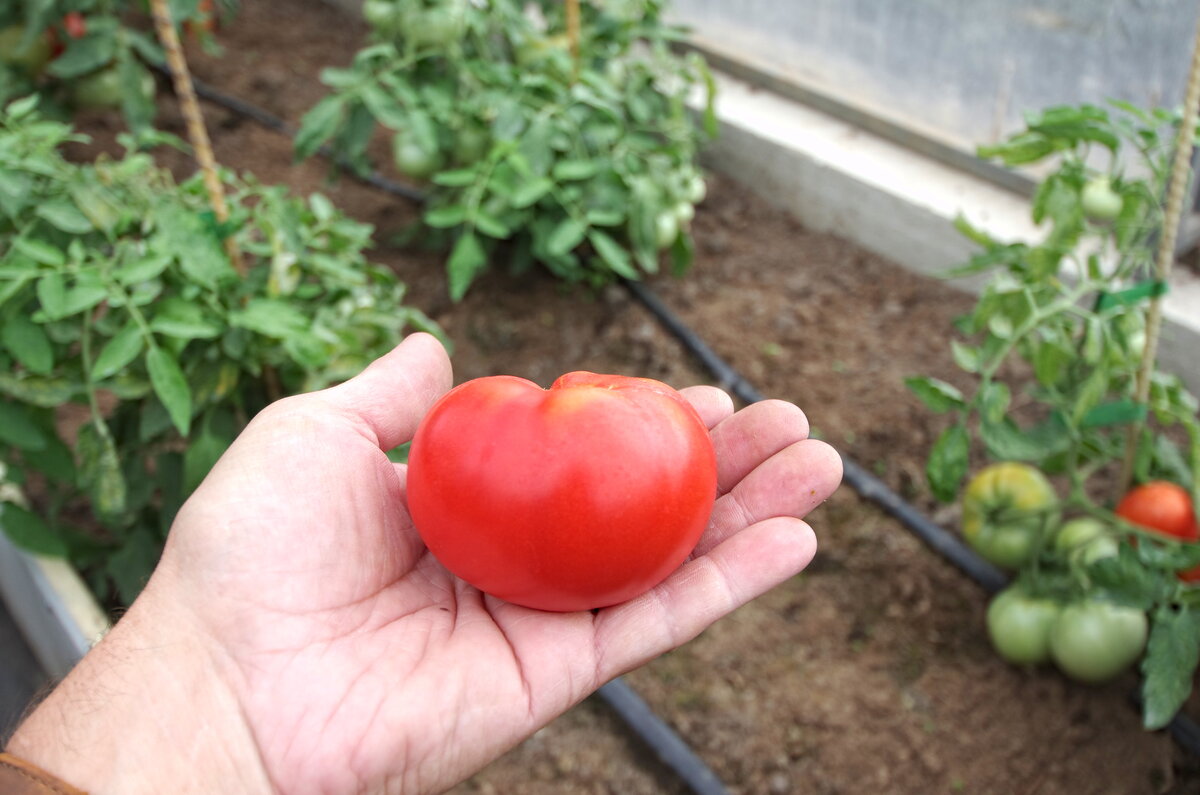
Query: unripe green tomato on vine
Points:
[1099, 201]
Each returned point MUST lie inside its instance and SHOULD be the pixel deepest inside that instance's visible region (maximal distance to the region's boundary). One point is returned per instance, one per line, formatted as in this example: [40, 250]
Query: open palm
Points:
[360, 663]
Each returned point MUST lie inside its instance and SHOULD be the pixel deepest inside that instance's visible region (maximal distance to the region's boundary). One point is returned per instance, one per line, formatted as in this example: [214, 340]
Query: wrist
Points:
[149, 709]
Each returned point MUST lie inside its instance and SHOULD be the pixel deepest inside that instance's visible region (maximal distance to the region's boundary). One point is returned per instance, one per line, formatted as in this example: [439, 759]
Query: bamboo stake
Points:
[197, 133]
[1176, 190]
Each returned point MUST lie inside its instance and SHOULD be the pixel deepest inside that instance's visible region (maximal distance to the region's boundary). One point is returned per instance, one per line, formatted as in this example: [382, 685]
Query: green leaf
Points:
[30, 532]
[83, 55]
[319, 125]
[613, 254]
[527, 193]
[566, 170]
[1114, 412]
[1169, 665]
[1019, 150]
[178, 318]
[947, 465]
[269, 316]
[938, 396]
[63, 214]
[965, 356]
[44, 392]
[185, 236]
[458, 178]
[171, 387]
[490, 225]
[118, 352]
[55, 460]
[28, 344]
[568, 234]
[994, 400]
[18, 428]
[446, 217]
[466, 261]
[683, 251]
[1006, 441]
[1132, 296]
[52, 293]
[40, 251]
[141, 270]
[1050, 362]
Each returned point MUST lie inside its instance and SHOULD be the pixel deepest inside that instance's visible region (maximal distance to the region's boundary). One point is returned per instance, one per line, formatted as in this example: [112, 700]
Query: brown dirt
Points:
[869, 672]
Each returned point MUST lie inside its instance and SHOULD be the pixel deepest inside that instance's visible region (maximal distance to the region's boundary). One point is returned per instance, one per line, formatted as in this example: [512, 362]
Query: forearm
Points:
[147, 710]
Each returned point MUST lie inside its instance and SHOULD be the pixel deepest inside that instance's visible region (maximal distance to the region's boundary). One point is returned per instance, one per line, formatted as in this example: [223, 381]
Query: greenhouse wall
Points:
[962, 71]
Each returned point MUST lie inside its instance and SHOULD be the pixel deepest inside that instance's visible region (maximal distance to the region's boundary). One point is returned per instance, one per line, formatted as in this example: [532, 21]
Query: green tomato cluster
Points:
[1091, 640]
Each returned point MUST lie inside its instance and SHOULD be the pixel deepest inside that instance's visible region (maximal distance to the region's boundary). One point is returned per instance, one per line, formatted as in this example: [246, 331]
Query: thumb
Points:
[397, 389]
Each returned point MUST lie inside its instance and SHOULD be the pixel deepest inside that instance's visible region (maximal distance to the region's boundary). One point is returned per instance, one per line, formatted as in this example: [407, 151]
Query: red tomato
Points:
[579, 496]
[1165, 507]
[75, 25]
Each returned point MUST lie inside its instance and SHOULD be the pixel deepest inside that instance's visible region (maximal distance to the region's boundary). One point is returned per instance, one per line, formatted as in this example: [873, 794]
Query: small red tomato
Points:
[75, 25]
[1167, 508]
[579, 496]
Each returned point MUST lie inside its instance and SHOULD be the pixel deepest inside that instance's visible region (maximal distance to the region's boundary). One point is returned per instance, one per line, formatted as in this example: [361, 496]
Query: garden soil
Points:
[871, 671]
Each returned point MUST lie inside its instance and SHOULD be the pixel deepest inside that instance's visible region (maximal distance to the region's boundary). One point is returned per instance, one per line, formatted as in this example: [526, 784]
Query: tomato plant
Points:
[88, 53]
[1006, 510]
[579, 496]
[1019, 625]
[117, 298]
[1094, 641]
[1069, 311]
[584, 163]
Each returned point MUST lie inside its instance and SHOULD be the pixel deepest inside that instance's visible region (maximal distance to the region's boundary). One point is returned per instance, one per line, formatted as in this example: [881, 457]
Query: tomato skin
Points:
[1099, 201]
[413, 159]
[666, 228]
[1004, 510]
[1019, 626]
[75, 25]
[1094, 641]
[580, 496]
[31, 59]
[1162, 506]
[1085, 541]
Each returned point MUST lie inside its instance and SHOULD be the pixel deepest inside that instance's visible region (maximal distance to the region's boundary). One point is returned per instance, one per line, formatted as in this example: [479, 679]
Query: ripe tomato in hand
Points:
[579, 496]
[1165, 507]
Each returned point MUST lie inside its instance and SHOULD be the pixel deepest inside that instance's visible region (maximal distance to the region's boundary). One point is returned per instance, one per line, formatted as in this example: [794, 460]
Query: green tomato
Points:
[104, 88]
[1085, 541]
[1019, 626]
[31, 59]
[696, 190]
[1099, 201]
[684, 213]
[383, 15]
[1005, 508]
[413, 159]
[666, 228]
[436, 27]
[1094, 641]
[471, 144]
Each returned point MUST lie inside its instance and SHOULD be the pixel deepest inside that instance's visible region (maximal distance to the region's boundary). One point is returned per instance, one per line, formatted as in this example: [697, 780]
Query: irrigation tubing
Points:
[667, 745]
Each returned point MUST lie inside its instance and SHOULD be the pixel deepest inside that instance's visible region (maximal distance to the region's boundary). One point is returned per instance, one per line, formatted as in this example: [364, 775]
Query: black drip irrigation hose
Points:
[664, 742]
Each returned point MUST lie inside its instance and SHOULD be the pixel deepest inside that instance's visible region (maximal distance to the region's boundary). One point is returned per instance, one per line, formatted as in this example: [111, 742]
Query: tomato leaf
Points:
[613, 254]
[466, 261]
[18, 428]
[131, 565]
[937, 395]
[319, 125]
[171, 387]
[30, 532]
[119, 351]
[947, 465]
[1172, 655]
[568, 234]
[28, 343]
[100, 470]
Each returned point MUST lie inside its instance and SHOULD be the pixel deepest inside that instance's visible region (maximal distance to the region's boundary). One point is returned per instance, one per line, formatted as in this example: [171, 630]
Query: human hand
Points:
[298, 636]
